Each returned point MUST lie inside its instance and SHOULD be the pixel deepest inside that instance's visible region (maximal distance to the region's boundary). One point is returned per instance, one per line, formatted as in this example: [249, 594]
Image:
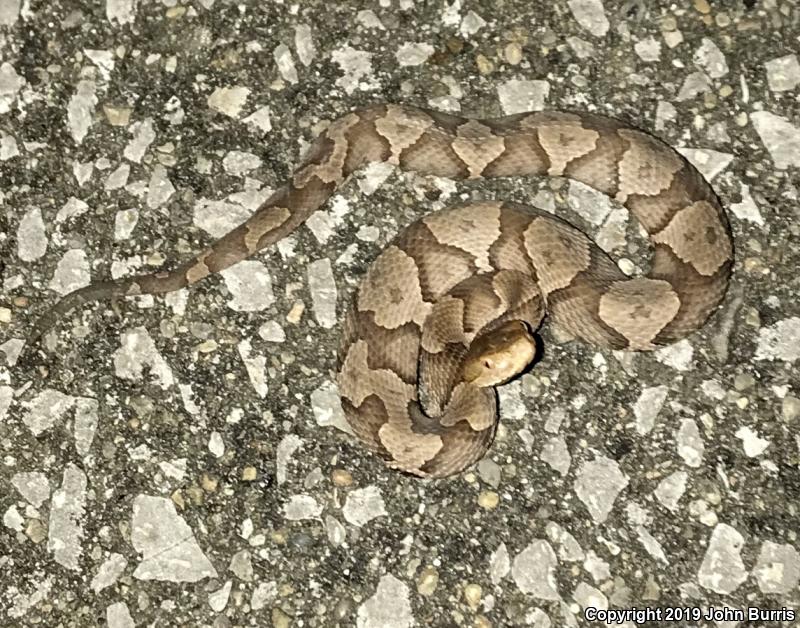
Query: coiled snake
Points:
[452, 303]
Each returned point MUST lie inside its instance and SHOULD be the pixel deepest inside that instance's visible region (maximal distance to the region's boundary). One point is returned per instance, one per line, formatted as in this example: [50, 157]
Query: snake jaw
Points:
[500, 355]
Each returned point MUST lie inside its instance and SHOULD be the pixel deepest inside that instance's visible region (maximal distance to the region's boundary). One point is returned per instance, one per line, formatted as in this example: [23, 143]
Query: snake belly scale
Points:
[446, 311]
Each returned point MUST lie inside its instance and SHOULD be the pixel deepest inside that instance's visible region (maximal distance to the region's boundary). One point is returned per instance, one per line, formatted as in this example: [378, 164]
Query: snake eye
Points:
[488, 364]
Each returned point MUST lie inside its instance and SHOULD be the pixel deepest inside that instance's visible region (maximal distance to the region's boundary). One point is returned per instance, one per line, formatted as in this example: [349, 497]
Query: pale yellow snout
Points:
[500, 355]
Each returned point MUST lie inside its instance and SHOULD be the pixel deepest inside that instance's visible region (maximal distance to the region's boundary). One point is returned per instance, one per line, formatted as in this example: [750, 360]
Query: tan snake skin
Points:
[480, 267]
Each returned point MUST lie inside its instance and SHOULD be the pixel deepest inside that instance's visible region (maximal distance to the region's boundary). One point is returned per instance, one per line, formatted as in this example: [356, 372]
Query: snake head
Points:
[499, 355]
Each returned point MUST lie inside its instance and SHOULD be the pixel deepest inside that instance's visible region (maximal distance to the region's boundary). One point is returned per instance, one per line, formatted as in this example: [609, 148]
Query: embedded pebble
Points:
[47, 407]
[519, 96]
[414, 53]
[335, 531]
[556, 454]
[216, 445]
[647, 407]
[119, 616]
[8, 147]
[427, 581]
[790, 408]
[665, 112]
[777, 569]
[752, 443]
[218, 599]
[322, 286]
[323, 225]
[175, 469]
[327, 407]
[219, 217]
[597, 485]
[304, 44]
[372, 177]
[229, 100]
[357, 66]
[125, 221]
[511, 404]
[650, 544]
[255, 365]
[671, 489]
[260, 119]
[583, 49]
[10, 85]
[472, 595]
[780, 341]
[110, 571]
[72, 272]
[271, 331]
[554, 420]
[648, 49]
[160, 188]
[722, 569]
[12, 519]
[286, 448]
[596, 566]
[265, 593]
[677, 355]
[589, 597]
[368, 234]
[238, 162]
[67, 506]
[533, 571]
[73, 207]
[489, 471]
[488, 500]
[85, 423]
[690, 443]
[694, 84]
[121, 11]
[117, 116]
[166, 543]
[389, 607]
[301, 507]
[9, 12]
[118, 179]
[471, 24]
[709, 57]
[513, 53]
[250, 285]
[591, 15]
[137, 351]
[363, 505]
[341, 477]
[33, 486]
[143, 135]
[31, 236]
[81, 110]
[747, 209]
[780, 136]
[285, 62]
[783, 73]
[569, 550]
[588, 203]
[709, 162]
[499, 564]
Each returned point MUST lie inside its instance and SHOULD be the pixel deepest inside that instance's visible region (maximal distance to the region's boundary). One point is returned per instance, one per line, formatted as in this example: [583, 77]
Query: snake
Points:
[452, 306]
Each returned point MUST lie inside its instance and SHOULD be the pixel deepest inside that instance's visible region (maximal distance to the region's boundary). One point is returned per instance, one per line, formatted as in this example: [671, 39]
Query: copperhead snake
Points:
[452, 303]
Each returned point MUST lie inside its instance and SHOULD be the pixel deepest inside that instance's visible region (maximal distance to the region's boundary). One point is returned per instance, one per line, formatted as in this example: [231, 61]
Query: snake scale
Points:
[447, 310]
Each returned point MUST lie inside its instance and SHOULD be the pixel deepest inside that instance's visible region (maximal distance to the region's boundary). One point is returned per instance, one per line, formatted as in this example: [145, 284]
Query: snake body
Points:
[484, 273]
